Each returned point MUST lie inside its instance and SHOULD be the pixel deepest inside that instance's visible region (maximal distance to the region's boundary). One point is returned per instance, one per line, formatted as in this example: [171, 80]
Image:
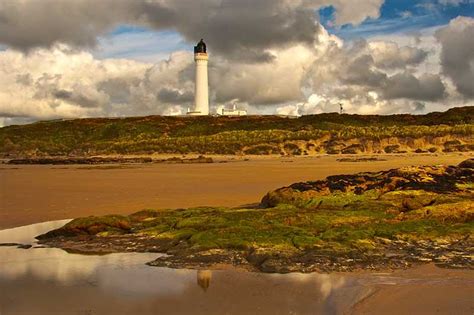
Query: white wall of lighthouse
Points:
[201, 90]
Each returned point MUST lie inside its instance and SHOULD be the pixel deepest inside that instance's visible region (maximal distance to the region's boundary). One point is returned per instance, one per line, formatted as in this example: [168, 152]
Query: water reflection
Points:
[49, 280]
[108, 271]
[26, 234]
[204, 278]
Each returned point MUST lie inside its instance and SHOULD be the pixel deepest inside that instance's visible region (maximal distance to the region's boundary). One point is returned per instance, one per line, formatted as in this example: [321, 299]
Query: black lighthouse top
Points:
[200, 47]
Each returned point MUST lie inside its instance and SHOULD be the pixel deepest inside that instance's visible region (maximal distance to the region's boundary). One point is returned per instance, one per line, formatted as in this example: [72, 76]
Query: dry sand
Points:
[30, 194]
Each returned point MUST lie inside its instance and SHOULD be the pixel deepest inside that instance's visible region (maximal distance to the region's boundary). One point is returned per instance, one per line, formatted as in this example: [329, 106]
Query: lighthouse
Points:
[201, 97]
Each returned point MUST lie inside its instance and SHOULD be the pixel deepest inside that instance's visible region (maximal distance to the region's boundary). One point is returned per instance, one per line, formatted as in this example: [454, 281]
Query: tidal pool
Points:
[51, 281]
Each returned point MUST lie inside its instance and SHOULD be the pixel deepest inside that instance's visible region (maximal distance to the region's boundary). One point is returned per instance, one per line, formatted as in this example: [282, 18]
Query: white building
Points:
[231, 112]
[201, 90]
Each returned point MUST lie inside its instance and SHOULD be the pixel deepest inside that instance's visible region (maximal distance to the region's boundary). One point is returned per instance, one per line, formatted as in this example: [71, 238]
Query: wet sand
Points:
[38, 193]
[426, 289]
[51, 281]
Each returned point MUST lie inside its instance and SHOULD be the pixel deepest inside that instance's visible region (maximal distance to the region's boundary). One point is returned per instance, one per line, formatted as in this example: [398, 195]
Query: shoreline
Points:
[370, 220]
[356, 292]
[157, 158]
[37, 193]
[397, 255]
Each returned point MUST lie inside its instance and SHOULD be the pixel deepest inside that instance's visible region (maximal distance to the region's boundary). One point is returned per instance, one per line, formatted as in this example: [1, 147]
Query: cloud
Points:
[244, 29]
[390, 55]
[175, 96]
[28, 24]
[266, 83]
[60, 83]
[380, 66]
[237, 29]
[455, 2]
[427, 87]
[457, 55]
[382, 75]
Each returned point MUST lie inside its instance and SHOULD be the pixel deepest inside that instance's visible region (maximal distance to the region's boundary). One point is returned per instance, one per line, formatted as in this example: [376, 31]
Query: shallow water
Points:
[51, 281]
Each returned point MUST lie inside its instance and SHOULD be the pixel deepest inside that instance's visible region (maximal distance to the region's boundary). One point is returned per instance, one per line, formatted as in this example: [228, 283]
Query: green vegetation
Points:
[325, 133]
[102, 226]
[286, 227]
[341, 224]
[341, 216]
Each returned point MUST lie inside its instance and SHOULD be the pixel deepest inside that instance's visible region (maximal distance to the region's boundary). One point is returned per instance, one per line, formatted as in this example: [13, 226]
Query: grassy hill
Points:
[331, 133]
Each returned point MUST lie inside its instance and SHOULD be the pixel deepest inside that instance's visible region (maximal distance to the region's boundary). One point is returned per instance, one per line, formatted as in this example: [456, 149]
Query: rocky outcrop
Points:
[79, 160]
[467, 164]
[116, 224]
[436, 179]
[389, 219]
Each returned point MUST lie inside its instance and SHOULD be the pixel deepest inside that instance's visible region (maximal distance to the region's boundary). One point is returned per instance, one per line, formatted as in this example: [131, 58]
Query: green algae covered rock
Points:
[429, 179]
[105, 225]
[418, 214]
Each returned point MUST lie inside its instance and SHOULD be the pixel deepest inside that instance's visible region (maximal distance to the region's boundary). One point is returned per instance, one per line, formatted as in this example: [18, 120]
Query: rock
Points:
[17, 245]
[80, 160]
[9, 244]
[361, 159]
[24, 246]
[416, 202]
[383, 240]
[431, 179]
[107, 160]
[395, 148]
[275, 265]
[469, 163]
[83, 227]
[353, 149]
[257, 257]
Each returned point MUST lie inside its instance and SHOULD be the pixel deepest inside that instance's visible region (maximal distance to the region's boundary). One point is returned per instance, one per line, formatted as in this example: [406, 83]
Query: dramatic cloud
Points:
[267, 83]
[457, 57]
[26, 24]
[57, 83]
[238, 29]
[359, 103]
[427, 87]
[380, 67]
[390, 55]
[367, 77]
[266, 56]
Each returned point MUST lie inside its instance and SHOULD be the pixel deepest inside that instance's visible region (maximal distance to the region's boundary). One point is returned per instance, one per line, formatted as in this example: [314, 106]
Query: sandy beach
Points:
[415, 296]
[33, 193]
[38, 193]
[52, 281]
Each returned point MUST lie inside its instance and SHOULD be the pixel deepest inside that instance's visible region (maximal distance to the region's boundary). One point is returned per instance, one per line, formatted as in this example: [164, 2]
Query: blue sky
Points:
[132, 42]
[400, 16]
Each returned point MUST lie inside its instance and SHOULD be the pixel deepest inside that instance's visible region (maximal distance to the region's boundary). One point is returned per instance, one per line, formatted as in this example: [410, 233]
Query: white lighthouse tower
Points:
[202, 88]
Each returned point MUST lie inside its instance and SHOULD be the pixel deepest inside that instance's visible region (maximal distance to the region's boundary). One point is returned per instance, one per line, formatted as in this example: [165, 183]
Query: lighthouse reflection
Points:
[56, 282]
[204, 279]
